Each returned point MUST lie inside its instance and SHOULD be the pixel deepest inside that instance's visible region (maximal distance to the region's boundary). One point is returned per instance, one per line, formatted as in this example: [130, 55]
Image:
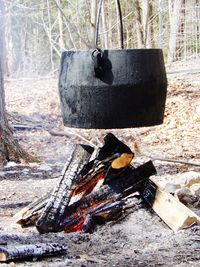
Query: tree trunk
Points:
[138, 21]
[93, 16]
[2, 34]
[174, 15]
[61, 37]
[145, 20]
[9, 147]
[119, 24]
[150, 28]
[104, 28]
[50, 35]
[3, 148]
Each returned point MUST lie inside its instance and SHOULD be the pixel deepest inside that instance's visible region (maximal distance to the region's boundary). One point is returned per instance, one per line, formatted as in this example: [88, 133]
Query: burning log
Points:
[110, 212]
[8, 253]
[54, 210]
[116, 190]
[79, 180]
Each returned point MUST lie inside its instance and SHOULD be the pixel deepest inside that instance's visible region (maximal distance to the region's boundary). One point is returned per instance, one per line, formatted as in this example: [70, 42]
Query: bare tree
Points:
[174, 18]
[38, 31]
[9, 147]
[138, 20]
[61, 31]
[93, 14]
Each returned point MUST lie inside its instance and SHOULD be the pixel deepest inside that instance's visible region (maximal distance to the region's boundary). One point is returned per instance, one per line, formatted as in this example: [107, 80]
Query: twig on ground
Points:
[70, 134]
[171, 160]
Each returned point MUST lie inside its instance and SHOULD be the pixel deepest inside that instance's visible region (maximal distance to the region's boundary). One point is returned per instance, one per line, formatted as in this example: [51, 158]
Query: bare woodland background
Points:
[37, 31]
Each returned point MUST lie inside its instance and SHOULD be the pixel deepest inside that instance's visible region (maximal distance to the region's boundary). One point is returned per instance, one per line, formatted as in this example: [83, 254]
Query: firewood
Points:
[92, 190]
[130, 181]
[30, 214]
[8, 253]
[104, 213]
[80, 180]
[113, 211]
[54, 210]
[111, 160]
[23, 127]
[112, 145]
[175, 214]
[95, 168]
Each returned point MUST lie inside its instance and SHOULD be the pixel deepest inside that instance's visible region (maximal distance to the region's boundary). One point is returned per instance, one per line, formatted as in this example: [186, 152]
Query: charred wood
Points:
[53, 212]
[10, 253]
[132, 180]
[89, 193]
[113, 152]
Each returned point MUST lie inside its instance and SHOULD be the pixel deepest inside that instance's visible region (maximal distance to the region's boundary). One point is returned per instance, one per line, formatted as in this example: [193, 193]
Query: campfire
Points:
[95, 187]
[101, 185]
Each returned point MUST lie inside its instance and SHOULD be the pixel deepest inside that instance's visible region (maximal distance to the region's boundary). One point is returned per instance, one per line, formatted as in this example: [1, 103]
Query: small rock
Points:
[185, 196]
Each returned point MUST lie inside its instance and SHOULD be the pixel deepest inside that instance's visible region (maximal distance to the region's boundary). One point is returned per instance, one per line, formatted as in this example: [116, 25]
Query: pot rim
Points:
[117, 50]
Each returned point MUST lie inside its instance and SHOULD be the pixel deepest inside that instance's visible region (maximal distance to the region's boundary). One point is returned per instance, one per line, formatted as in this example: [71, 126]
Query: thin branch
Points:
[72, 26]
[70, 134]
[171, 160]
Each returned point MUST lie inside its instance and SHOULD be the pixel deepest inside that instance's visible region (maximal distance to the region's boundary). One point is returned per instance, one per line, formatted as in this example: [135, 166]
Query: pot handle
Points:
[120, 19]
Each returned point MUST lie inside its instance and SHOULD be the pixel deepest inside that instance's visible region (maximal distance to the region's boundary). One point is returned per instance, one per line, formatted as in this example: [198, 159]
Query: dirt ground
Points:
[140, 239]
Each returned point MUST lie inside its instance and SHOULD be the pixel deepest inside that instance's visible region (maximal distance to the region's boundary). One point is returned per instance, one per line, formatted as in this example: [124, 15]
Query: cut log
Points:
[176, 215]
[53, 213]
[101, 215]
[30, 214]
[8, 253]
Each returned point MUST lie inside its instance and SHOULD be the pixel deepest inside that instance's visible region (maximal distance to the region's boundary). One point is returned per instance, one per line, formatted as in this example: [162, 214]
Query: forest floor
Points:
[140, 239]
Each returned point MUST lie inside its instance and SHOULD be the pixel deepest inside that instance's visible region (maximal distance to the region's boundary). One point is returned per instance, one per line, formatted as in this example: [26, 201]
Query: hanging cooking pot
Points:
[112, 88]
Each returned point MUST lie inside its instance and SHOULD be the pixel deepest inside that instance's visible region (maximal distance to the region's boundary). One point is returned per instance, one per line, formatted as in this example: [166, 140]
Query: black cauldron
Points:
[112, 88]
